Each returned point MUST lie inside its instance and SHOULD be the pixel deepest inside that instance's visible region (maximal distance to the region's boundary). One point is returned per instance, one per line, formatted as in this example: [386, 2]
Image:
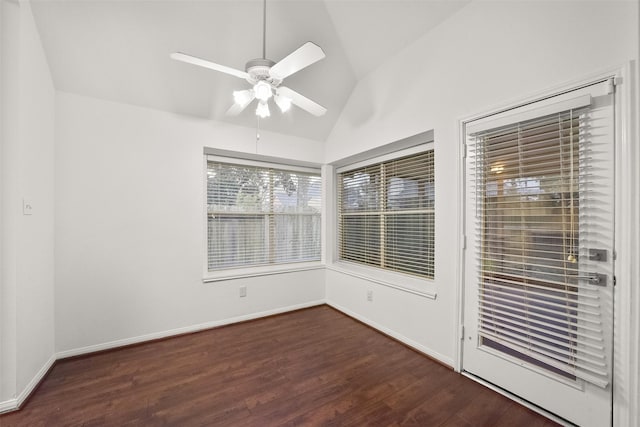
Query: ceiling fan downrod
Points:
[264, 29]
[258, 69]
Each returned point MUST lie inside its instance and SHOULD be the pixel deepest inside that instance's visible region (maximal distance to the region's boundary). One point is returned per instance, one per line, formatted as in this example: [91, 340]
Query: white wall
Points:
[486, 55]
[9, 45]
[129, 184]
[130, 227]
[27, 172]
[634, 372]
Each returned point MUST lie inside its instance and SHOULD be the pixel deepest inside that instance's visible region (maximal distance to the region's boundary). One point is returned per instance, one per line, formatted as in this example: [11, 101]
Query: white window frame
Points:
[247, 159]
[421, 286]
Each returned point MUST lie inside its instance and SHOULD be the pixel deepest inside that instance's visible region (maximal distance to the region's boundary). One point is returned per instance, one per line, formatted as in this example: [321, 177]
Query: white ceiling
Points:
[119, 50]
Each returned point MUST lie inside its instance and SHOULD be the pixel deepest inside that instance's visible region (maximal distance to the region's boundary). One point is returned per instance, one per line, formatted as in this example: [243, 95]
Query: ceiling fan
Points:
[266, 76]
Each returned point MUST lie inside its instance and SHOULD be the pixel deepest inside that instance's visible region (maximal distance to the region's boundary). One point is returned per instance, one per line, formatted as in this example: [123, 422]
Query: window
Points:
[386, 214]
[261, 214]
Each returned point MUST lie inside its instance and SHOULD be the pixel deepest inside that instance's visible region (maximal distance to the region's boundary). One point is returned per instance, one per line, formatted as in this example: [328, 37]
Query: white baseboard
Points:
[36, 380]
[178, 331]
[16, 403]
[417, 346]
[8, 405]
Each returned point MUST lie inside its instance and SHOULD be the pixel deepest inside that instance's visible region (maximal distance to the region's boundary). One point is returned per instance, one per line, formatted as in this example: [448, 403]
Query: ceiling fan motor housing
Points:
[258, 69]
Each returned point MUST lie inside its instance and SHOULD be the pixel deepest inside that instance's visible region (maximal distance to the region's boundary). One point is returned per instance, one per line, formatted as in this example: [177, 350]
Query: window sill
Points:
[397, 281]
[242, 273]
[392, 280]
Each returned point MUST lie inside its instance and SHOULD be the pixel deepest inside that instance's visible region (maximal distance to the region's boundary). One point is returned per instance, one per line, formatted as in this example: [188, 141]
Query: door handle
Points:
[598, 255]
[597, 279]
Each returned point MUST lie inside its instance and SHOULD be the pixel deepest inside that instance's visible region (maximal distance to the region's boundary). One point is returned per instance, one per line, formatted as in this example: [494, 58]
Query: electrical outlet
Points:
[369, 295]
[243, 291]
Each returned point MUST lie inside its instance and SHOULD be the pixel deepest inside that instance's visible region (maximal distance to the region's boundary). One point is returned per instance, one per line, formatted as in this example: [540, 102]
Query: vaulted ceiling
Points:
[119, 50]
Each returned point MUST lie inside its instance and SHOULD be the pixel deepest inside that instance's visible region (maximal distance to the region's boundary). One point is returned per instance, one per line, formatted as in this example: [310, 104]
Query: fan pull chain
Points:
[257, 135]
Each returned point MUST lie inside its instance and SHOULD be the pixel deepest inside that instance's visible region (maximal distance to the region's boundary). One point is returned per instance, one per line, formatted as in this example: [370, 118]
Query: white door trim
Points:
[626, 384]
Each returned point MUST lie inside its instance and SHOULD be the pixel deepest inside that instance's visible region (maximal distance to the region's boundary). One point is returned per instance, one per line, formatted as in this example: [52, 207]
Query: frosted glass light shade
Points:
[262, 90]
[283, 103]
[262, 110]
[242, 97]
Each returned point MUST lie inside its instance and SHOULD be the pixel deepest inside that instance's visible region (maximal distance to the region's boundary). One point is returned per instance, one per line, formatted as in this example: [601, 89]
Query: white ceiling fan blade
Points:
[235, 109]
[300, 58]
[302, 101]
[179, 56]
[238, 108]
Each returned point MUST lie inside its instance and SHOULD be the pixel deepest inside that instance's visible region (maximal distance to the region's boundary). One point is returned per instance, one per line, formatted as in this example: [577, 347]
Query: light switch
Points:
[27, 207]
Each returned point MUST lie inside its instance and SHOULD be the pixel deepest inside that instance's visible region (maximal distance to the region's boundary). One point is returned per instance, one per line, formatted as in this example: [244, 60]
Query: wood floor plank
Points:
[305, 368]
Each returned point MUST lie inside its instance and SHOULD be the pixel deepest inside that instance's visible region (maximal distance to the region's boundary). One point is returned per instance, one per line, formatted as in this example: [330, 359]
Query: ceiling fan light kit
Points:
[243, 97]
[265, 76]
[283, 103]
[262, 91]
[262, 110]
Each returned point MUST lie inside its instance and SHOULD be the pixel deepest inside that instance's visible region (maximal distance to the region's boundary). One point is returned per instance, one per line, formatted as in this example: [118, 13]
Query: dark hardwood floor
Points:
[305, 368]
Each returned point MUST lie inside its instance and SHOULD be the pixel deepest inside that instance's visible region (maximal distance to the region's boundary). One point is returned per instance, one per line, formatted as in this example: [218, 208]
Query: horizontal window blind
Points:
[261, 215]
[386, 214]
[531, 181]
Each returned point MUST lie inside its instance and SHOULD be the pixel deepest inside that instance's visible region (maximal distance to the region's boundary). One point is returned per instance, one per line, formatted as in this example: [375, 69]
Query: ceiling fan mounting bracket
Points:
[258, 69]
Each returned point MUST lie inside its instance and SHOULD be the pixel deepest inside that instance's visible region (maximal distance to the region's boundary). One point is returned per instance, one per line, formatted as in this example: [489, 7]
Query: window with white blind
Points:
[386, 214]
[541, 206]
[261, 214]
